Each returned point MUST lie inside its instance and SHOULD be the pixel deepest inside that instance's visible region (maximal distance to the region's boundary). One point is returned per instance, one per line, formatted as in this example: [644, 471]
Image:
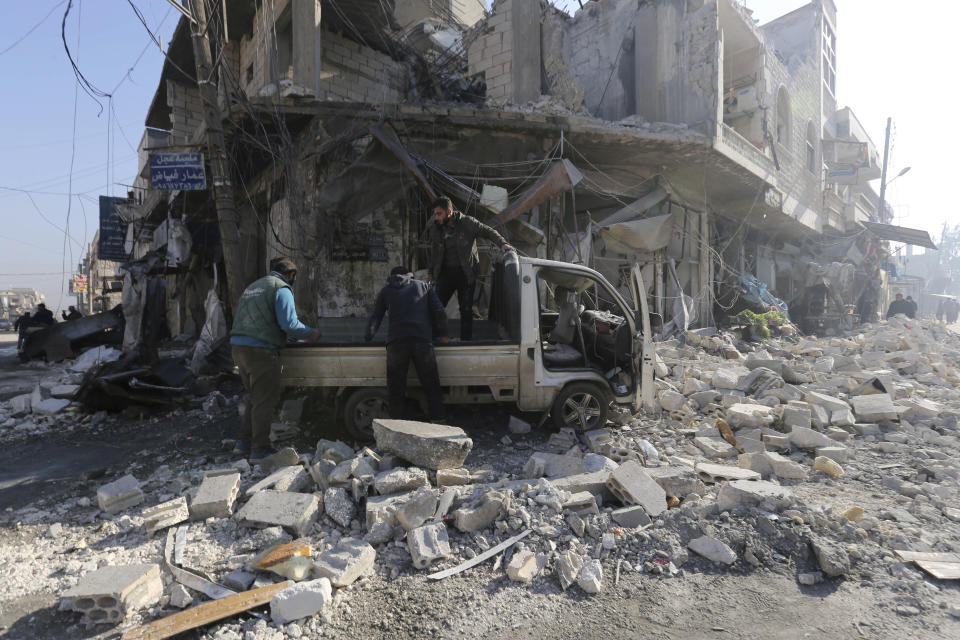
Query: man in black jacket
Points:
[899, 305]
[43, 316]
[73, 315]
[453, 241]
[416, 317]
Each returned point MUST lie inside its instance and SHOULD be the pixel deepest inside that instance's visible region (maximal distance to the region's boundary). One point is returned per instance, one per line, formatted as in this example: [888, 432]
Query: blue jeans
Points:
[399, 354]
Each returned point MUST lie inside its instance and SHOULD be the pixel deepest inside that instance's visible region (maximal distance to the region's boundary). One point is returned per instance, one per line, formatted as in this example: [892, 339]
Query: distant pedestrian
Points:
[416, 318]
[73, 315]
[43, 316]
[265, 318]
[953, 310]
[20, 326]
[940, 311]
[912, 312]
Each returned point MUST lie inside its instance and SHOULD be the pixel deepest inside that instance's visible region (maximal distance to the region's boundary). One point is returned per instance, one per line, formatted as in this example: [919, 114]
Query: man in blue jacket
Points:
[416, 317]
[265, 319]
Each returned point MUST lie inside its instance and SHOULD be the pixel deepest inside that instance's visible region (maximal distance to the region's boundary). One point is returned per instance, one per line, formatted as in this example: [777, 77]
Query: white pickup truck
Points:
[559, 337]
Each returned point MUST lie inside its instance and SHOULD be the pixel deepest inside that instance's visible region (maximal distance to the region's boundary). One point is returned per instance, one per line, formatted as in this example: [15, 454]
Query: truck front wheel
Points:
[581, 406]
[360, 410]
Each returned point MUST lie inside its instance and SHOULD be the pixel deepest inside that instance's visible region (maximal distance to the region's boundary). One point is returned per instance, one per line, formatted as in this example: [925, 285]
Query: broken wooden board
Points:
[486, 555]
[206, 613]
[943, 566]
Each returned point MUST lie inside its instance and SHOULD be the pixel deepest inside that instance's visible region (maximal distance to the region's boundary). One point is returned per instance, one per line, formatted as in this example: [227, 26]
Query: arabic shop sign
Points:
[113, 230]
[177, 172]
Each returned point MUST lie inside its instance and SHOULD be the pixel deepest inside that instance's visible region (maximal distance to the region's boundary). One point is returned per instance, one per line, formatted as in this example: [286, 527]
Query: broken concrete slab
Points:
[569, 565]
[713, 550]
[165, 514]
[427, 544]
[452, 477]
[553, 465]
[754, 493]
[294, 511]
[525, 565]
[347, 561]
[471, 519]
[216, 495]
[828, 402]
[595, 483]
[784, 467]
[874, 408]
[677, 481]
[805, 438]
[50, 406]
[631, 484]
[64, 391]
[714, 447]
[714, 473]
[120, 494]
[107, 595]
[293, 478]
[742, 415]
[400, 480]
[630, 517]
[433, 446]
[285, 457]
[301, 600]
[419, 507]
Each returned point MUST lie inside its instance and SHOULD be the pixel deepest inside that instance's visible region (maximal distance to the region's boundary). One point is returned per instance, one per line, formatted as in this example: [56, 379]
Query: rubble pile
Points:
[819, 459]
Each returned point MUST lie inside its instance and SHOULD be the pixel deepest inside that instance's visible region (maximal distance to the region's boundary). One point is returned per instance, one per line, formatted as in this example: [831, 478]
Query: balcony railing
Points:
[744, 147]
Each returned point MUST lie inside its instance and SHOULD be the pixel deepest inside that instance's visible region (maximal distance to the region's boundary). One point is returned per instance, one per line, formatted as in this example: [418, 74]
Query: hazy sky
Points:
[894, 59]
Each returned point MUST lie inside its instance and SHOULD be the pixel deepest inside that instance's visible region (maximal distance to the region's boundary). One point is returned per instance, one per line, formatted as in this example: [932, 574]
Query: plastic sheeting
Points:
[756, 293]
[647, 234]
[214, 329]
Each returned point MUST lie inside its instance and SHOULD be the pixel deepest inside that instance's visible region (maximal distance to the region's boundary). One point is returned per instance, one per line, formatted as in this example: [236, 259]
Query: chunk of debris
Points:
[874, 408]
[631, 484]
[591, 577]
[433, 446]
[120, 494]
[399, 480]
[294, 511]
[713, 550]
[301, 600]
[569, 565]
[291, 560]
[828, 466]
[294, 478]
[165, 514]
[107, 595]
[180, 597]
[750, 493]
[473, 519]
[525, 565]
[346, 562]
[452, 477]
[428, 543]
[216, 495]
[338, 506]
[553, 465]
[518, 427]
[420, 506]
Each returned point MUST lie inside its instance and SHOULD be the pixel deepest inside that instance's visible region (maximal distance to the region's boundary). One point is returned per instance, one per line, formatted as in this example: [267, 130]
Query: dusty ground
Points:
[49, 478]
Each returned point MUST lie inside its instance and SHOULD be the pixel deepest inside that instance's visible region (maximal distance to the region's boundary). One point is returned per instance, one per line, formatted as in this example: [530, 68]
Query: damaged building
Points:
[677, 134]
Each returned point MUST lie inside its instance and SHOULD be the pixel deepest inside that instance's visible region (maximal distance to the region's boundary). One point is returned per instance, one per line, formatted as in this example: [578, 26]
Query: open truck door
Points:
[643, 345]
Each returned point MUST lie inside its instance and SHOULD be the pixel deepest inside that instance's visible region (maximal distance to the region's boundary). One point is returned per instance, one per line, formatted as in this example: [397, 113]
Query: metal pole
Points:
[883, 172]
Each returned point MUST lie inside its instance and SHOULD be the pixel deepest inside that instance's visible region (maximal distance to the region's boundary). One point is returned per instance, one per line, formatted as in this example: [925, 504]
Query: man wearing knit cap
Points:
[266, 318]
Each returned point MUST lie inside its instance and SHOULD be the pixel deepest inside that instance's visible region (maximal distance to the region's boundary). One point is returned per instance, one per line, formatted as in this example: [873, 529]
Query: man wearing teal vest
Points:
[266, 317]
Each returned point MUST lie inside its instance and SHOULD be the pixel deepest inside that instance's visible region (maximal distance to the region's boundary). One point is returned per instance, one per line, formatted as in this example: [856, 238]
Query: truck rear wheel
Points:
[360, 410]
[581, 406]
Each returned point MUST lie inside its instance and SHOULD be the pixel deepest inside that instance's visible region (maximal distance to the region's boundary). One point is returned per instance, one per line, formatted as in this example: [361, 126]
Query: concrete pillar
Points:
[525, 63]
[307, 44]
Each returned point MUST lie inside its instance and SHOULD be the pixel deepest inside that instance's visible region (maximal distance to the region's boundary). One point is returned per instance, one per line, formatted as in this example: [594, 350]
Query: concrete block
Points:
[383, 509]
[713, 550]
[630, 517]
[874, 407]
[754, 493]
[433, 446]
[842, 418]
[582, 503]
[293, 478]
[553, 465]
[866, 429]
[107, 595]
[595, 483]
[301, 600]
[742, 415]
[671, 400]
[338, 506]
[216, 496]
[837, 454]
[347, 561]
[419, 507]
[64, 391]
[797, 417]
[805, 438]
[470, 519]
[428, 543]
[784, 467]
[726, 378]
[50, 406]
[597, 439]
[714, 447]
[400, 480]
[293, 511]
[165, 514]
[631, 484]
[453, 477]
[120, 494]
[525, 565]
[828, 402]
[677, 481]
[819, 416]
[715, 473]
[569, 565]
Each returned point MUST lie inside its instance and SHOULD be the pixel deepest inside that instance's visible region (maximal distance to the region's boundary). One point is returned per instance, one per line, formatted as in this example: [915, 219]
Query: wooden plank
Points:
[205, 614]
[486, 555]
[925, 556]
[941, 570]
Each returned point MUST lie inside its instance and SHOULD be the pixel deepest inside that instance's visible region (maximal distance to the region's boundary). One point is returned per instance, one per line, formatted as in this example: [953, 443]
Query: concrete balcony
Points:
[742, 151]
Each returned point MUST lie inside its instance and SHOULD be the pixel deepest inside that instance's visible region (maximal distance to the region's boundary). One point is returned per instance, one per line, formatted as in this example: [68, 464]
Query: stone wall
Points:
[186, 112]
[507, 52]
[355, 73]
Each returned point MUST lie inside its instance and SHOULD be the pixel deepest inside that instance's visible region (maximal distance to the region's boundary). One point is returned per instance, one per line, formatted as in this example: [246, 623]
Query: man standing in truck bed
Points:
[265, 318]
[416, 318]
[453, 240]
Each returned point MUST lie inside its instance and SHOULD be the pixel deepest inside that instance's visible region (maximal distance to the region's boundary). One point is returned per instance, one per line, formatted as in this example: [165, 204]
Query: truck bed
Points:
[343, 359]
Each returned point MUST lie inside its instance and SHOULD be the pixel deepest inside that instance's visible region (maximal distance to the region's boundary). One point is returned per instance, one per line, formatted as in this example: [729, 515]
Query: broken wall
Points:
[186, 113]
[507, 52]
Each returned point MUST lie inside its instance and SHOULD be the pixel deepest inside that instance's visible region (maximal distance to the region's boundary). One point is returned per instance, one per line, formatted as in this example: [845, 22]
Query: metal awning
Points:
[916, 237]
